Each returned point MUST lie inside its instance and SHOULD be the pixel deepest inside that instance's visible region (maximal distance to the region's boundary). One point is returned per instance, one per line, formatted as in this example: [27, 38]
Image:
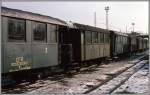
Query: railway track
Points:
[57, 77]
[115, 82]
[137, 83]
[26, 87]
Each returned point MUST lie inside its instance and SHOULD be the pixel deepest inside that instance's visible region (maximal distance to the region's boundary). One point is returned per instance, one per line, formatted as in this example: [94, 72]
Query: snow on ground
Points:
[112, 84]
[138, 83]
[83, 81]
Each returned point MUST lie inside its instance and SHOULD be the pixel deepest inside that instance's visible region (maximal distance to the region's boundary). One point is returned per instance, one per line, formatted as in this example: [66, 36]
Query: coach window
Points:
[101, 38]
[88, 37]
[120, 39]
[53, 33]
[16, 30]
[39, 32]
[117, 39]
[106, 38]
[123, 40]
[94, 37]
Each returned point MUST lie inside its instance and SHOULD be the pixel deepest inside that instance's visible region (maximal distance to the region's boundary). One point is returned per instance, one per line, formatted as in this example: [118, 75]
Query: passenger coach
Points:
[29, 41]
[32, 44]
[139, 43]
[88, 42]
[119, 43]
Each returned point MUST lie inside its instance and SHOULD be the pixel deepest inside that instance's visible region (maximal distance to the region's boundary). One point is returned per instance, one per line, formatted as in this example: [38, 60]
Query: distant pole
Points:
[133, 26]
[95, 19]
[107, 9]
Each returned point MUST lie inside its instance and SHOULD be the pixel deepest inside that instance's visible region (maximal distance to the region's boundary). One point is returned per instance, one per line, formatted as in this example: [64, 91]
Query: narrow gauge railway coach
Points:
[30, 41]
[119, 43]
[133, 42]
[145, 44]
[142, 43]
[88, 42]
[139, 43]
[32, 44]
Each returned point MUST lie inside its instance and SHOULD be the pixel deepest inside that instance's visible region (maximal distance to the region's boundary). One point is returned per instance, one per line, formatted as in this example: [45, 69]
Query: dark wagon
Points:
[30, 41]
[88, 42]
[139, 43]
[133, 42]
[145, 44]
[119, 43]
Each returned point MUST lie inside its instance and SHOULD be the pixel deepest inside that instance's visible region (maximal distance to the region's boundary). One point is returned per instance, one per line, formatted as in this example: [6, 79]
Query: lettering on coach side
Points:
[20, 64]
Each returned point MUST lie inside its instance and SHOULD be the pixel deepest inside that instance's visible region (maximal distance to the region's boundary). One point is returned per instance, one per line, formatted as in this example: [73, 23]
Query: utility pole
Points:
[107, 9]
[133, 26]
[95, 19]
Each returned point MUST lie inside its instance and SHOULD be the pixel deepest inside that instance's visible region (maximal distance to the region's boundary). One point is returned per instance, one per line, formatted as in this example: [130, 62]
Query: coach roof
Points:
[89, 28]
[118, 33]
[30, 16]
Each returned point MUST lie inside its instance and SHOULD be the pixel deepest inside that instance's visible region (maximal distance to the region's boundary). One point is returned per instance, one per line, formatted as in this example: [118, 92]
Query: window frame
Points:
[25, 34]
[117, 38]
[100, 37]
[39, 41]
[106, 37]
[86, 41]
[120, 39]
[49, 34]
[93, 36]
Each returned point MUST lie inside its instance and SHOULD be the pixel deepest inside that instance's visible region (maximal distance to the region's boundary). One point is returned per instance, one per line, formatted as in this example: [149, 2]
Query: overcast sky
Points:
[121, 14]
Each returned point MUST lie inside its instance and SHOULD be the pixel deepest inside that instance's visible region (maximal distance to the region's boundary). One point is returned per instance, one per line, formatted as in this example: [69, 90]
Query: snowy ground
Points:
[83, 81]
[113, 84]
[138, 83]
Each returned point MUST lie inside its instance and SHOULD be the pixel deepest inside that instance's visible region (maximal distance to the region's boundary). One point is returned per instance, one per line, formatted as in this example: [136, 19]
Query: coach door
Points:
[65, 48]
[44, 52]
